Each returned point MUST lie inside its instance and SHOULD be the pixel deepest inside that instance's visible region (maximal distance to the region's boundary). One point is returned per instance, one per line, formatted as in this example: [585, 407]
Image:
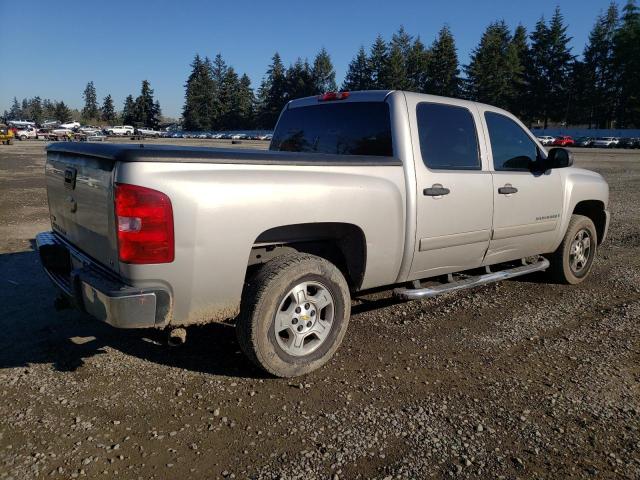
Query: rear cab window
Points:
[349, 128]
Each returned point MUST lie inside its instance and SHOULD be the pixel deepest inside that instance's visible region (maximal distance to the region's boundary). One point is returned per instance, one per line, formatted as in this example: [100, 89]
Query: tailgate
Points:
[79, 190]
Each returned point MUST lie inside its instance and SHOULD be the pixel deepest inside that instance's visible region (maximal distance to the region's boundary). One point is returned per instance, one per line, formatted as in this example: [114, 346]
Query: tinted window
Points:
[354, 128]
[512, 148]
[448, 137]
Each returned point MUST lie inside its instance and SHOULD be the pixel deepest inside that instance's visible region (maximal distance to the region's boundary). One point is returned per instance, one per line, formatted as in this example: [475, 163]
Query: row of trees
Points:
[144, 110]
[535, 75]
[37, 110]
[217, 98]
[141, 111]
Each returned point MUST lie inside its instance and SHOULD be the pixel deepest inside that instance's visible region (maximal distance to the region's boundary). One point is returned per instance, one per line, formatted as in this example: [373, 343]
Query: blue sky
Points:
[53, 48]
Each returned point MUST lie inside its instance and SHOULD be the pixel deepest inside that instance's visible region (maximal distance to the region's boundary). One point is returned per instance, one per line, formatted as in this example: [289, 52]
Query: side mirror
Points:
[559, 158]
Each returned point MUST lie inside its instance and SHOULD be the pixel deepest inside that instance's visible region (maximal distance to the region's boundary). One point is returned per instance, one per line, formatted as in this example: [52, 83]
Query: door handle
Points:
[507, 190]
[436, 190]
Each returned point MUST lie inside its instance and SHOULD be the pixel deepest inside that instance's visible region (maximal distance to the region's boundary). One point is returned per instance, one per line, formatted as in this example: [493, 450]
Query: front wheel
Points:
[571, 263]
[294, 314]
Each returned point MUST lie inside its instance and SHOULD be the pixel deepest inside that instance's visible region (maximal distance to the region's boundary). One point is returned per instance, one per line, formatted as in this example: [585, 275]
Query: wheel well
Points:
[594, 209]
[343, 244]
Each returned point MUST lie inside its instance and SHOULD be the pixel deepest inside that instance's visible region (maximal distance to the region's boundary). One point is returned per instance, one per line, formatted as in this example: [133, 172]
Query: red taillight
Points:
[144, 218]
[326, 97]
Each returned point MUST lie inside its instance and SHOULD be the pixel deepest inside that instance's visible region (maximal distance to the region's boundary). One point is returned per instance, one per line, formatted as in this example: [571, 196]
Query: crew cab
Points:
[121, 130]
[358, 191]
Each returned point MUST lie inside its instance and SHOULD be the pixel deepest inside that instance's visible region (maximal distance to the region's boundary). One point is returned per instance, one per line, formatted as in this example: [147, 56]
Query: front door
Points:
[527, 201]
[454, 191]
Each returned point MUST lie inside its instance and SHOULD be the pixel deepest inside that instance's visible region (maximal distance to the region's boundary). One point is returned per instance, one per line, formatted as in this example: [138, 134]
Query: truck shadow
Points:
[35, 332]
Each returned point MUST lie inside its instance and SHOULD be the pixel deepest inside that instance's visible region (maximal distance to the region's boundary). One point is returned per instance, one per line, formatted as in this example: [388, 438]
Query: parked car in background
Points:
[89, 130]
[546, 140]
[149, 132]
[606, 142]
[583, 141]
[61, 132]
[70, 125]
[121, 130]
[563, 141]
[628, 142]
[96, 137]
[27, 132]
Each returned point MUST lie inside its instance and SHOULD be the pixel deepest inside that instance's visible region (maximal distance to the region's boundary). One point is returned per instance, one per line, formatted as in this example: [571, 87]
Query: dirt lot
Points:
[516, 380]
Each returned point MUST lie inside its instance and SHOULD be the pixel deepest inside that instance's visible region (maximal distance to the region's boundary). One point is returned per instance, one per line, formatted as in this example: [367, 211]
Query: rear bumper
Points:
[99, 292]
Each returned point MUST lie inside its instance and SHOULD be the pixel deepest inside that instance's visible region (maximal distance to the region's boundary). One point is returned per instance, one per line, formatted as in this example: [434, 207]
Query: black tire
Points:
[561, 270]
[263, 296]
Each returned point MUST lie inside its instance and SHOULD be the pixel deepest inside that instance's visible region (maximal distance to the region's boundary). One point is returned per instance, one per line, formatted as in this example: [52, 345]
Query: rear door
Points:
[527, 202]
[454, 188]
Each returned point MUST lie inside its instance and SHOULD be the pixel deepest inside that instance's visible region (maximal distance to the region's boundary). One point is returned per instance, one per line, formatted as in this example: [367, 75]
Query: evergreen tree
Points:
[494, 68]
[107, 111]
[396, 72]
[442, 76]
[358, 75]
[35, 110]
[417, 66]
[48, 109]
[244, 103]
[627, 66]
[146, 110]
[129, 111]
[90, 110]
[378, 60]
[272, 94]
[219, 70]
[560, 61]
[536, 73]
[322, 73]
[520, 48]
[300, 81]
[16, 112]
[62, 112]
[229, 118]
[199, 103]
[600, 81]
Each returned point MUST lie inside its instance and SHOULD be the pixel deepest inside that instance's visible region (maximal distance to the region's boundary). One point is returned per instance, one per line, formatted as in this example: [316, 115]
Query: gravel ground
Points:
[520, 379]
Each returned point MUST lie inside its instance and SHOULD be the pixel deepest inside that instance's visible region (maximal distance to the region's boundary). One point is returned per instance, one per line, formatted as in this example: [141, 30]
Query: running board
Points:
[417, 293]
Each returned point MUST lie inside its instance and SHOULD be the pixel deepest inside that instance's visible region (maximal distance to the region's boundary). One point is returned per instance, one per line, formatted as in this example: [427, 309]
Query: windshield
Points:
[353, 128]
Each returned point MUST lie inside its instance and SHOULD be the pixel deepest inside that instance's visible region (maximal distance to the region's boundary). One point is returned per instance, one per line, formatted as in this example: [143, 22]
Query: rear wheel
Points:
[294, 314]
[571, 263]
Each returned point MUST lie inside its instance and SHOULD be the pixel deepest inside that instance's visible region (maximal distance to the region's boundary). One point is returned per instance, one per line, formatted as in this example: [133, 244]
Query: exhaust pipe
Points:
[177, 337]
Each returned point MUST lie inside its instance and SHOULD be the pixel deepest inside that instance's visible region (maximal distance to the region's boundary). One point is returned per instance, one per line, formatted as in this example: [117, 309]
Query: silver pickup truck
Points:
[358, 190]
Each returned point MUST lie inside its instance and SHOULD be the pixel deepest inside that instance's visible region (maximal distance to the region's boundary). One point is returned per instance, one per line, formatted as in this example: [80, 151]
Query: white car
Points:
[70, 125]
[121, 130]
[605, 142]
[62, 132]
[27, 132]
[546, 139]
[149, 132]
[88, 130]
[96, 136]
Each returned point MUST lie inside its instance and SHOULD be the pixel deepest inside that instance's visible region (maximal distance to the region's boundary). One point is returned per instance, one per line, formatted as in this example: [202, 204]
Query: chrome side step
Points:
[417, 293]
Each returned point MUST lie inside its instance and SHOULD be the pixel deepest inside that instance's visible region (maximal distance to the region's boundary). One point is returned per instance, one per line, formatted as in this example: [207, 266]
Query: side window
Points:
[448, 139]
[512, 148]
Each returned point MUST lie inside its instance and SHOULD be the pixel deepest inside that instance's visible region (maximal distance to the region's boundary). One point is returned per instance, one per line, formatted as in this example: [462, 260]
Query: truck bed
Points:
[179, 154]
